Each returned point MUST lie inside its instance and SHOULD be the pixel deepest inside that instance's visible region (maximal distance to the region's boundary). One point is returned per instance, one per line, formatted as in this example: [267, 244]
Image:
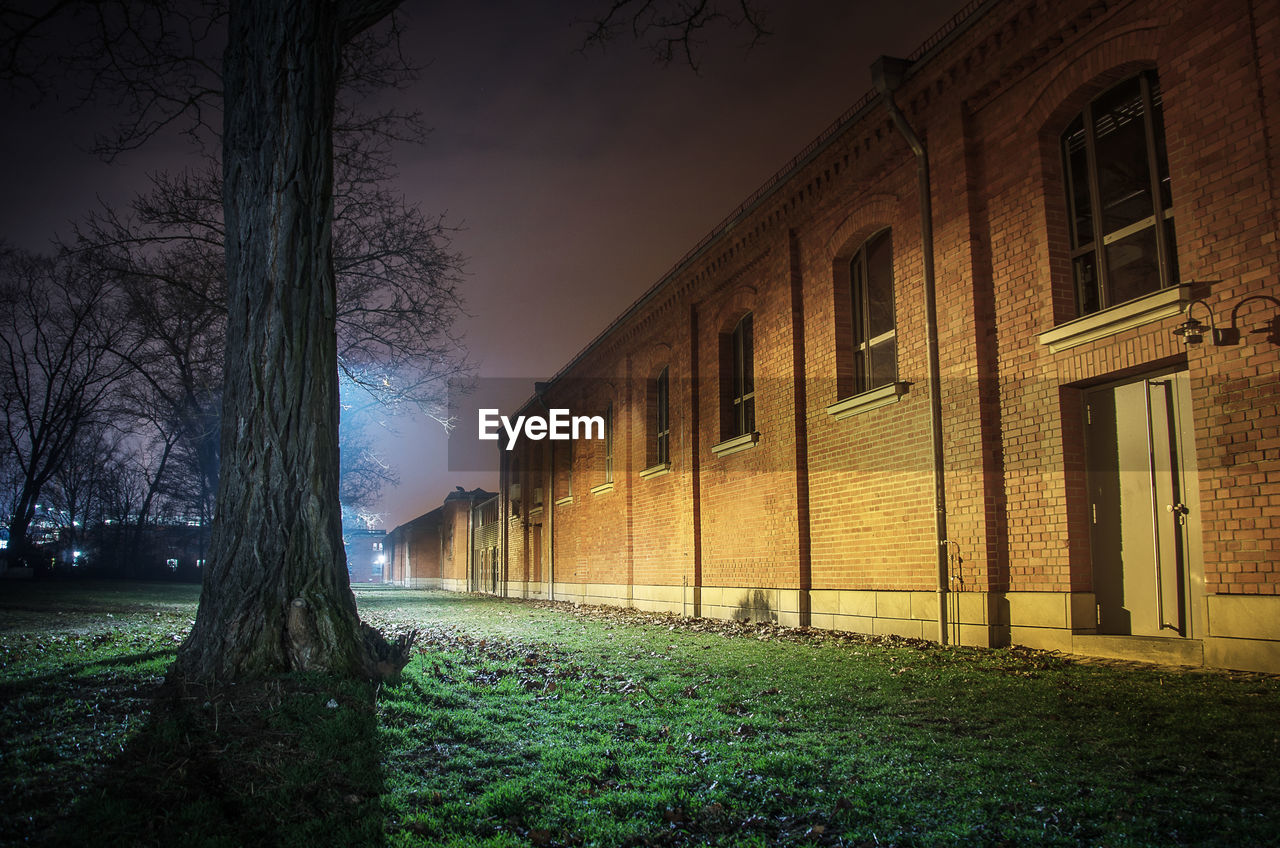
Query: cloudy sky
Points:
[576, 179]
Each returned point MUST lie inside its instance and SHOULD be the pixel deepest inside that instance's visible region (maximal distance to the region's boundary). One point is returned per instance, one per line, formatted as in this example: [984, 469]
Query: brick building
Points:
[1032, 402]
[433, 551]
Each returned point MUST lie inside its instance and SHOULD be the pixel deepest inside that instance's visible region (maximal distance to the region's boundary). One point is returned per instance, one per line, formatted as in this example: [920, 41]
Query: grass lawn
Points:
[524, 724]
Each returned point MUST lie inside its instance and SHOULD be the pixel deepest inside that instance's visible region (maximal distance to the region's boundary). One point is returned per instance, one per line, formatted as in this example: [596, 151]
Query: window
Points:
[662, 422]
[562, 454]
[1118, 197]
[875, 341]
[740, 410]
[608, 443]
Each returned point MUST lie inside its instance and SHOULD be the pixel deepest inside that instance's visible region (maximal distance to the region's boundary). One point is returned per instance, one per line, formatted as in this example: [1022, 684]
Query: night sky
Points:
[577, 180]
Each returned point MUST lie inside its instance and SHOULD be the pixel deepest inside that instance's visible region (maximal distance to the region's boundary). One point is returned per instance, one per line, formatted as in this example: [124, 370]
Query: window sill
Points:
[737, 443]
[655, 470]
[867, 401]
[535, 512]
[1173, 300]
[565, 501]
[602, 488]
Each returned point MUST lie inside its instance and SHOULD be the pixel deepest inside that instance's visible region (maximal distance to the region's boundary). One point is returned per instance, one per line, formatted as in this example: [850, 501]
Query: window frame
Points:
[861, 341]
[740, 413]
[662, 417]
[608, 443]
[1160, 220]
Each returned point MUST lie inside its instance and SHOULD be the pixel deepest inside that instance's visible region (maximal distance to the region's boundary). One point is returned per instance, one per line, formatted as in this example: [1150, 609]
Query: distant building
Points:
[435, 550]
[367, 555]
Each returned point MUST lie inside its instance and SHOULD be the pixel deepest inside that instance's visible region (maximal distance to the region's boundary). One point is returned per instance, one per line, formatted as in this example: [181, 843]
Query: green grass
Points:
[531, 724]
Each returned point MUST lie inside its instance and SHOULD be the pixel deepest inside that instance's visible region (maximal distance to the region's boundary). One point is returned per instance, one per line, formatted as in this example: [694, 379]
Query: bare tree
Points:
[58, 332]
[363, 472]
[276, 594]
[77, 487]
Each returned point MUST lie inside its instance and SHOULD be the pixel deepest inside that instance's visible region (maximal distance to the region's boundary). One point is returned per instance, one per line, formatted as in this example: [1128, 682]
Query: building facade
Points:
[434, 551]
[993, 361]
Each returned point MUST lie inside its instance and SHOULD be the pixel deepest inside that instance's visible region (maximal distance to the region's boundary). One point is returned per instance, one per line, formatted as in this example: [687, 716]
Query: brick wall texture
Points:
[820, 501]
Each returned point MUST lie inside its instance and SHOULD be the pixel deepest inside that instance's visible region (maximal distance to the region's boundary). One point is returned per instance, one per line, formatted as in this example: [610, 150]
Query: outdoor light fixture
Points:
[1271, 327]
[1192, 330]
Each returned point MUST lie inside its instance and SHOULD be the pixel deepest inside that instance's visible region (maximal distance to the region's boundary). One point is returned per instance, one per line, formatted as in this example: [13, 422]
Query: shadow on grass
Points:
[289, 761]
[79, 673]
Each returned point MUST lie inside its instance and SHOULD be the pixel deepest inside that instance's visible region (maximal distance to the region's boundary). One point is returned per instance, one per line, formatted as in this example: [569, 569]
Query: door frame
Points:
[1185, 477]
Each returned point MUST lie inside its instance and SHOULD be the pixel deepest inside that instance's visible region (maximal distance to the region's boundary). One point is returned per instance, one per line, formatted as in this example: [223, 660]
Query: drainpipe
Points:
[887, 74]
[504, 513]
[549, 498]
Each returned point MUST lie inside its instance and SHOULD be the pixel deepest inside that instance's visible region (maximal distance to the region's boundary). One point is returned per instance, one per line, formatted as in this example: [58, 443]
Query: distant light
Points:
[172, 563]
[381, 558]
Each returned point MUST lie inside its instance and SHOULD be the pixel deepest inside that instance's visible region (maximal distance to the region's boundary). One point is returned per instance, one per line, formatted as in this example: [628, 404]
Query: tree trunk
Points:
[276, 594]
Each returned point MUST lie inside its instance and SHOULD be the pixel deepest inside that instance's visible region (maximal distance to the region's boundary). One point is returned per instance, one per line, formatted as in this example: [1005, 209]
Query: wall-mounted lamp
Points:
[1192, 330]
[1271, 327]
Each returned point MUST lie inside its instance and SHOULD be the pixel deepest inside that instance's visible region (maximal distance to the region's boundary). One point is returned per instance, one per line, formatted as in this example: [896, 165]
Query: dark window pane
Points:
[736, 413]
[662, 391]
[884, 363]
[858, 291]
[1162, 157]
[1081, 211]
[880, 284]
[748, 416]
[1120, 144]
[1132, 266]
[663, 410]
[1088, 299]
[1171, 276]
[860, 359]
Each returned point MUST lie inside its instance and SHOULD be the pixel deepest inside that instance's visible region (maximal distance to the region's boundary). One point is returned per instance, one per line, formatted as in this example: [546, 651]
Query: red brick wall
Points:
[848, 504]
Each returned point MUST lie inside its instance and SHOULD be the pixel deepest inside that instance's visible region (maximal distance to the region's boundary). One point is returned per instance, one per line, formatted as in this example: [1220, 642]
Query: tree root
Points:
[386, 659]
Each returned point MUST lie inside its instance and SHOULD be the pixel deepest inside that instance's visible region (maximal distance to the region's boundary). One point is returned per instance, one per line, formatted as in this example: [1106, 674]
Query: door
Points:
[1144, 502]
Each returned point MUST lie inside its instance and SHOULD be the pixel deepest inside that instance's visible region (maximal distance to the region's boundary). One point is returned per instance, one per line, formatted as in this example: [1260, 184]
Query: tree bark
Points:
[276, 594]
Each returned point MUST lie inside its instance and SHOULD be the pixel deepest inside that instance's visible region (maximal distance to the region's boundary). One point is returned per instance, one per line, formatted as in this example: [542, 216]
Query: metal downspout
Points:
[887, 74]
[504, 515]
[549, 498]
[471, 544]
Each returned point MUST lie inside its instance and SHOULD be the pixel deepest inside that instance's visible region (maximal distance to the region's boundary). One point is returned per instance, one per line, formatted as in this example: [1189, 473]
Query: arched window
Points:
[875, 338]
[661, 441]
[1118, 198]
[739, 414]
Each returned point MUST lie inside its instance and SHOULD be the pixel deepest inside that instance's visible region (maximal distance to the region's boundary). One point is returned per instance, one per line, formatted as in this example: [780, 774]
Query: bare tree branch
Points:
[672, 30]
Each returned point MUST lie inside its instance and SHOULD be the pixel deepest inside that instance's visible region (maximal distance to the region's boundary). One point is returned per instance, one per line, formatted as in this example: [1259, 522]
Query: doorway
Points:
[1144, 501]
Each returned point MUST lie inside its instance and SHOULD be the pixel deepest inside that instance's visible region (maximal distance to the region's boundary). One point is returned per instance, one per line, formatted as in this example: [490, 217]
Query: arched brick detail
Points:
[736, 303]
[1095, 67]
[648, 362]
[874, 212]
